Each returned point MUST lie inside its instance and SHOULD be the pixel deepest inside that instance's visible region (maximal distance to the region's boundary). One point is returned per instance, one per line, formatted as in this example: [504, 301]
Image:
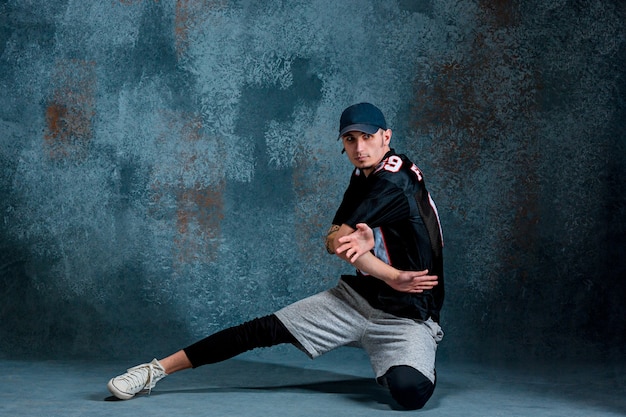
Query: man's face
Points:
[365, 151]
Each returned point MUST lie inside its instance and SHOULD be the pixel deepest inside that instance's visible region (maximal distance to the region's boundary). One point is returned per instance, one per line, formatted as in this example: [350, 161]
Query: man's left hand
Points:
[413, 281]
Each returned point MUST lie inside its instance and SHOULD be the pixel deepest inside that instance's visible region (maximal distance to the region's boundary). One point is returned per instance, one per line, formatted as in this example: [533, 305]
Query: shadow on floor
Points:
[345, 384]
[227, 377]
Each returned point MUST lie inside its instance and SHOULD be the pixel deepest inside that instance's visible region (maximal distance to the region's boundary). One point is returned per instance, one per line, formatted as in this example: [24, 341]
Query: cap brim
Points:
[370, 129]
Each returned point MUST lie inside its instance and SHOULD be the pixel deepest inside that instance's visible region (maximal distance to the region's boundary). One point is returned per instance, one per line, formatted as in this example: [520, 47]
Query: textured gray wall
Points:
[170, 167]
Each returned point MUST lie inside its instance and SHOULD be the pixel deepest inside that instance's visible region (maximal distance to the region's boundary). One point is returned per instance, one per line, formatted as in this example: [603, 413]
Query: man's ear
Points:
[387, 136]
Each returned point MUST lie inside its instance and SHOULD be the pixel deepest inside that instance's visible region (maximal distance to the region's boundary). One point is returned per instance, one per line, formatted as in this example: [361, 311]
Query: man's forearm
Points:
[370, 264]
[367, 262]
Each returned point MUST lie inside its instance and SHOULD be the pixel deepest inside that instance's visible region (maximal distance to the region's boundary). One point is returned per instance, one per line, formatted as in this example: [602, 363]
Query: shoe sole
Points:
[119, 394]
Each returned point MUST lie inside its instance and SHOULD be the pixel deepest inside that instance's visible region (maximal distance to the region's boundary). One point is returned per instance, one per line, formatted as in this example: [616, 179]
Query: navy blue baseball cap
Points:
[363, 117]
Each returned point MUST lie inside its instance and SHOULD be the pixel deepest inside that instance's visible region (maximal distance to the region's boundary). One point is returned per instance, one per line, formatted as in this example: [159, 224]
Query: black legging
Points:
[409, 387]
[261, 332]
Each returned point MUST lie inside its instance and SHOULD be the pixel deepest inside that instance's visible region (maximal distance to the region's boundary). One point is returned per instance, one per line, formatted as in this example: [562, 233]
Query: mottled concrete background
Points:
[171, 167]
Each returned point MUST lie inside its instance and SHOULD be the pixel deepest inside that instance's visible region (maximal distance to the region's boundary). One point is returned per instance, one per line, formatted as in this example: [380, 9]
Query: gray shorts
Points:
[341, 317]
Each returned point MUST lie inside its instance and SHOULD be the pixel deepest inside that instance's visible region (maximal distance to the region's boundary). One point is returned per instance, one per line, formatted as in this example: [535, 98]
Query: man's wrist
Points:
[393, 276]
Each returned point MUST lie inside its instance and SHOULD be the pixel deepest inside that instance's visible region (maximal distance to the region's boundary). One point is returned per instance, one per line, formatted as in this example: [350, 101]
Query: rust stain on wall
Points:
[482, 103]
[71, 110]
[199, 207]
[188, 13]
[505, 13]
[198, 217]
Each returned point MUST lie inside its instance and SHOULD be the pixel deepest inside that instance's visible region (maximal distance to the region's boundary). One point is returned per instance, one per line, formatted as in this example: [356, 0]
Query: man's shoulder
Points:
[398, 167]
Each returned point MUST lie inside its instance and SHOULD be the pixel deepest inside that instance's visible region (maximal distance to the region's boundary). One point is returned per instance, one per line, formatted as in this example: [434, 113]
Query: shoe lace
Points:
[136, 377]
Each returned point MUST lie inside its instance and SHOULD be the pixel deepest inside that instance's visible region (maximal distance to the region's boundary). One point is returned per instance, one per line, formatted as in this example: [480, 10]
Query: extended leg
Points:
[262, 332]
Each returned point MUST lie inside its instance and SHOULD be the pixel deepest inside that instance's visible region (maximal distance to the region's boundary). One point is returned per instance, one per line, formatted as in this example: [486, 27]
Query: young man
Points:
[388, 228]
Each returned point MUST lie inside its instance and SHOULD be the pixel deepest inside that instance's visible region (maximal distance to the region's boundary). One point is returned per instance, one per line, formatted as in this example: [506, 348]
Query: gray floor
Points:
[285, 383]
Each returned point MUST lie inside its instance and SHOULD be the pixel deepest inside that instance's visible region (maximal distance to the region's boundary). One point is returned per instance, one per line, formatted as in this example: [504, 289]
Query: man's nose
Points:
[359, 144]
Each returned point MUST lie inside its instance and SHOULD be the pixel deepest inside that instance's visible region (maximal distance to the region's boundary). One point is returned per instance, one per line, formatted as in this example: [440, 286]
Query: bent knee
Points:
[409, 387]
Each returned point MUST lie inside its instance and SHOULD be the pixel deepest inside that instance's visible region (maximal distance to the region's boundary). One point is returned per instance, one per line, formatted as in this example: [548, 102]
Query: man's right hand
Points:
[356, 243]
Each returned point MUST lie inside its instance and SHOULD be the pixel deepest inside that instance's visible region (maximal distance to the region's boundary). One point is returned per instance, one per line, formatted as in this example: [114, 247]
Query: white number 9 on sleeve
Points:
[393, 164]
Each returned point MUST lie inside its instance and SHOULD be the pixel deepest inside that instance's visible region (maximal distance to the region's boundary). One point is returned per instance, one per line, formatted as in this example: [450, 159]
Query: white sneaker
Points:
[140, 378]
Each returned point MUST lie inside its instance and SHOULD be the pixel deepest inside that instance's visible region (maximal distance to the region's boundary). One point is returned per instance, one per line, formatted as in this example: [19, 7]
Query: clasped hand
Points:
[362, 241]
